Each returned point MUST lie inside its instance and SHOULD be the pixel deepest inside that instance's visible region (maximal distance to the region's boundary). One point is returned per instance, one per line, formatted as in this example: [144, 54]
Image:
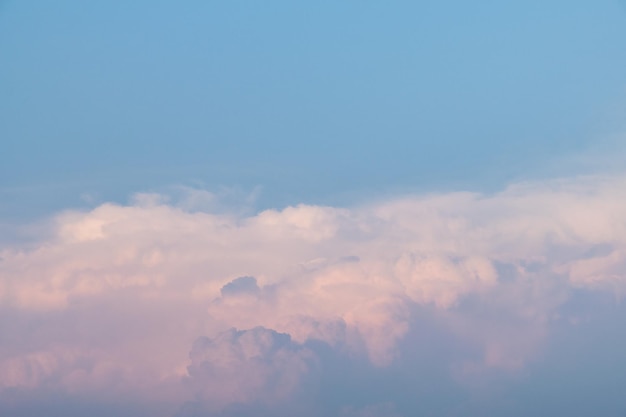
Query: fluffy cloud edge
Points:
[114, 297]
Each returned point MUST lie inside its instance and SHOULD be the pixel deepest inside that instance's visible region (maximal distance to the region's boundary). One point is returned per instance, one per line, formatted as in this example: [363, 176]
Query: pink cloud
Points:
[116, 297]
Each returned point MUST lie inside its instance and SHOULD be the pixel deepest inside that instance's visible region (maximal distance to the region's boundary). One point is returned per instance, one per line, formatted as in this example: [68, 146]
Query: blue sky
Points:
[313, 101]
[313, 209]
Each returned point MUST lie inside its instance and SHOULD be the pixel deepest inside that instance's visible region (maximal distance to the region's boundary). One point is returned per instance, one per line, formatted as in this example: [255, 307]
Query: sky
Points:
[316, 209]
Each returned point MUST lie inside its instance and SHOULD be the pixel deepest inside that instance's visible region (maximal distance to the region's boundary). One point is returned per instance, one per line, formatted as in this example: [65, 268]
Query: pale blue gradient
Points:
[319, 102]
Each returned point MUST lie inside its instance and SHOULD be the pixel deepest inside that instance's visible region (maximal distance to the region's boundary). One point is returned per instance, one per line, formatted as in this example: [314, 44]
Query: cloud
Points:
[110, 304]
[256, 365]
[239, 286]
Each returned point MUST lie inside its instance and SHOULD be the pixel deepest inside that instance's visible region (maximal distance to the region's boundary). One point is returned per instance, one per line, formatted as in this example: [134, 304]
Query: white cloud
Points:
[117, 295]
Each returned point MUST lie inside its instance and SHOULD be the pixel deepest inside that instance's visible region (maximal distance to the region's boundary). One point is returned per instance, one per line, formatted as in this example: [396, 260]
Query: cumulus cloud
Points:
[239, 286]
[256, 365]
[160, 300]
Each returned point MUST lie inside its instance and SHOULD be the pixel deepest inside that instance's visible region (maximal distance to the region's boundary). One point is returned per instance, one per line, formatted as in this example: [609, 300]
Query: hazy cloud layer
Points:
[429, 303]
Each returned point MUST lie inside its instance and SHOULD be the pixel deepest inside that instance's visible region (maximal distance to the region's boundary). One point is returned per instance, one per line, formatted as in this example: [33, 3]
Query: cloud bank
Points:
[431, 304]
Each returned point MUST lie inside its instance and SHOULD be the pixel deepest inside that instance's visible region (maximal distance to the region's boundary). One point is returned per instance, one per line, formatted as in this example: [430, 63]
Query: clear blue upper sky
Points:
[310, 100]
